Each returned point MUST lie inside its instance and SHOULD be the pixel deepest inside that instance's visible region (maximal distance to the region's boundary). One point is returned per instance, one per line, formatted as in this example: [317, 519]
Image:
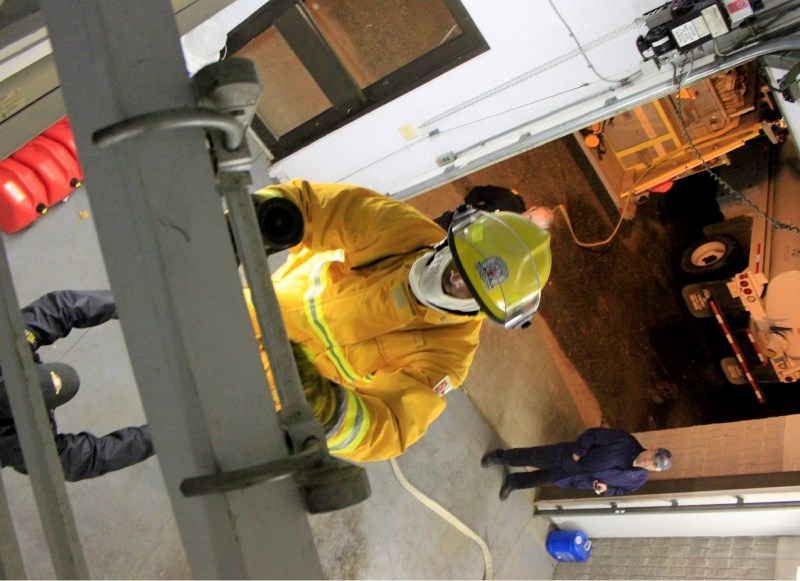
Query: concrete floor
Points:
[514, 394]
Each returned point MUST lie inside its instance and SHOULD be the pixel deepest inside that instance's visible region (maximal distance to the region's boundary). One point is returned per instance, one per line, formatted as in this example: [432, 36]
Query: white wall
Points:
[787, 561]
[522, 36]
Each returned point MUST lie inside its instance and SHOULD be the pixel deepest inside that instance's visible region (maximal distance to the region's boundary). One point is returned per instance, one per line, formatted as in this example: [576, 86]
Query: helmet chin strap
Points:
[462, 211]
[440, 246]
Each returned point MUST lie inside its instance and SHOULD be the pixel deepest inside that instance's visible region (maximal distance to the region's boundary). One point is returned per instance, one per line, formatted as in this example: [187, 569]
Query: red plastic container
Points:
[23, 197]
[62, 132]
[54, 165]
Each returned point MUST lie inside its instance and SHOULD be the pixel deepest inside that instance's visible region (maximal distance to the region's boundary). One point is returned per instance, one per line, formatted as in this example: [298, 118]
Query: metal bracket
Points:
[326, 483]
[171, 119]
[446, 158]
[236, 479]
[615, 509]
[790, 84]
[784, 60]
[231, 88]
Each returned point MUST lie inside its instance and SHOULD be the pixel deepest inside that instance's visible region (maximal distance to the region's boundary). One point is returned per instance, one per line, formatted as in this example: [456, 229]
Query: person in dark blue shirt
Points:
[610, 462]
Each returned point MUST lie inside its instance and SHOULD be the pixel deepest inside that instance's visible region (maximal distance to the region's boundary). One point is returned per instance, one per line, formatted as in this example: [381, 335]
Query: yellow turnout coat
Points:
[345, 297]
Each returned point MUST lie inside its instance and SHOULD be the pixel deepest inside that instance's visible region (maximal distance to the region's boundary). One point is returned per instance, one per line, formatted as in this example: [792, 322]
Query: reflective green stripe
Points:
[313, 310]
[351, 426]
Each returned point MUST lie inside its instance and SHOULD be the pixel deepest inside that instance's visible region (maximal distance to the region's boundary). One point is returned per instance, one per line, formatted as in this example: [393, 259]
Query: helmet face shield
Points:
[505, 261]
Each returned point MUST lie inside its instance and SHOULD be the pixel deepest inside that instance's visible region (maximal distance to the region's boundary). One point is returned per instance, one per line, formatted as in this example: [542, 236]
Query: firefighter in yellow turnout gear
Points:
[388, 315]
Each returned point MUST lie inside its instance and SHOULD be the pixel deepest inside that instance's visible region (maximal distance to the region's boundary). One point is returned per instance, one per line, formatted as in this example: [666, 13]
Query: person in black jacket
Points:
[610, 462]
[487, 198]
[500, 199]
[83, 455]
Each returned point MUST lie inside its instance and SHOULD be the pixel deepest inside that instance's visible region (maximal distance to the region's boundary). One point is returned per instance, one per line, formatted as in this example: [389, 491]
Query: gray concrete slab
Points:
[403, 539]
[125, 521]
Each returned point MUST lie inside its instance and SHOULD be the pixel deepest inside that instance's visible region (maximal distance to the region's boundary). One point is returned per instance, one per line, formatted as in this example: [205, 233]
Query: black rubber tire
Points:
[716, 257]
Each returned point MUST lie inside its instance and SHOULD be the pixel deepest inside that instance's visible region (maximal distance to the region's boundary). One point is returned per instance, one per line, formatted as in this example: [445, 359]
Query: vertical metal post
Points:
[36, 435]
[12, 566]
[300, 419]
[173, 274]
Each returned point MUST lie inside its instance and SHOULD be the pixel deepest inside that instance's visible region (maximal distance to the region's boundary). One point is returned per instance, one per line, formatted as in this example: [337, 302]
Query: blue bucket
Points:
[568, 545]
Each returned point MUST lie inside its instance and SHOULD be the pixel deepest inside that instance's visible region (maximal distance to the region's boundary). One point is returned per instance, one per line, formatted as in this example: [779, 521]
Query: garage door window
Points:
[323, 63]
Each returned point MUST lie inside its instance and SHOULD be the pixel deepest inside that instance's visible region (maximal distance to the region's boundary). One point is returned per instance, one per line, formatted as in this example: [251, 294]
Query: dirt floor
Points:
[616, 311]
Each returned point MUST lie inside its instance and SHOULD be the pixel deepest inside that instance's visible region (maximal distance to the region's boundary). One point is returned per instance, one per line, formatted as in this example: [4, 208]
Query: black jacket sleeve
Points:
[54, 315]
[87, 456]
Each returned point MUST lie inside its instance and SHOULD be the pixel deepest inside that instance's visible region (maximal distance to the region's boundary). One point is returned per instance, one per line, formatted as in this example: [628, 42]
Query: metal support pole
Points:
[12, 566]
[173, 274]
[299, 420]
[232, 88]
[36, 434]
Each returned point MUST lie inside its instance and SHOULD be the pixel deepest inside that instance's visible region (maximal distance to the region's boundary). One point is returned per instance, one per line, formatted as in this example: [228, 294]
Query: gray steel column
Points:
[173, 274]
[36, 435]
[12, 565]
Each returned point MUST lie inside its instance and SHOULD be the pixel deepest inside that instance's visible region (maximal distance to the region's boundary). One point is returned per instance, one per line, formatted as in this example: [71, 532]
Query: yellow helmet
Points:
[505, 260]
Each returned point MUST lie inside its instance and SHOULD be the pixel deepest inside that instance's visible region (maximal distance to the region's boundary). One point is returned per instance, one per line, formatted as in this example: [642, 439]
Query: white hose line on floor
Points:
[488, 571]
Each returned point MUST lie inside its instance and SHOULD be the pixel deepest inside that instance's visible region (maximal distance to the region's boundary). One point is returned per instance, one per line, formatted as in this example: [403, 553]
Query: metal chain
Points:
[773, 222]
[576, 52]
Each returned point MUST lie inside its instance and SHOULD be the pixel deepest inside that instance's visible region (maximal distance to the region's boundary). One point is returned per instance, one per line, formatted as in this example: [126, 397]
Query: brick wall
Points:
[749, 447]
[791, 444]
[787, 562]
[677, 558]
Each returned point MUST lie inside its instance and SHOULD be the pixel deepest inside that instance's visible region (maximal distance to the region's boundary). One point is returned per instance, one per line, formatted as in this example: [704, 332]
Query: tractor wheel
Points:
[717, 257]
